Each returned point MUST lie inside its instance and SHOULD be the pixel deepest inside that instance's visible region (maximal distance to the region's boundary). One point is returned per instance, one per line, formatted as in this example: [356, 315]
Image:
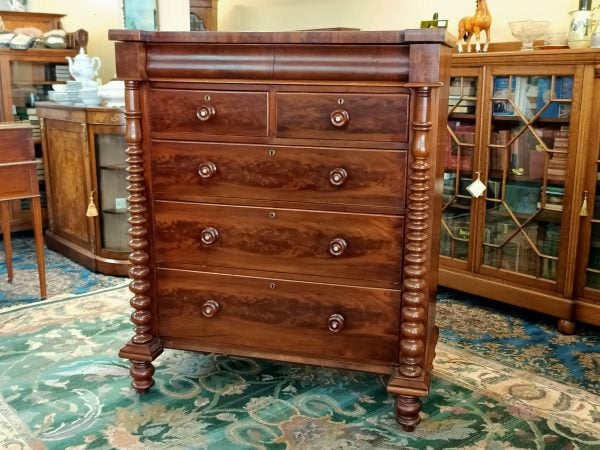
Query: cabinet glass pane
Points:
[593, 266]
[112, 186]
[456, 213]
[526, 165]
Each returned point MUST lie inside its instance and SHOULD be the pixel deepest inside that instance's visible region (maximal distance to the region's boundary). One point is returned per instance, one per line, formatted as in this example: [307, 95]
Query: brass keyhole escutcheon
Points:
[272, 215]
[271, 152]
[272, 285]
[207, 98]
[340, 101]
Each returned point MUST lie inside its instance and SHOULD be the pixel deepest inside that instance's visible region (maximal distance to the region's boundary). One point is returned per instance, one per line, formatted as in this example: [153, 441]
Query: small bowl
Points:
[555, 38]
[528, 31]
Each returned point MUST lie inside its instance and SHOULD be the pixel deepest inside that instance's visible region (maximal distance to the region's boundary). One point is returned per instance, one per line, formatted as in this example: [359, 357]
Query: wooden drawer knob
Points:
[338, 176]
[210, 308]
[209, 235]
[340, 118]
[335, 323]
[337, 246]
[207, 169]
[206, 112]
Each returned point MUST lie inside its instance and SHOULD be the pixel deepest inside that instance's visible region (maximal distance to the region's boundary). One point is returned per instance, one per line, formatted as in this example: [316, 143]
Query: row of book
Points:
[529, 95]
[519, 151]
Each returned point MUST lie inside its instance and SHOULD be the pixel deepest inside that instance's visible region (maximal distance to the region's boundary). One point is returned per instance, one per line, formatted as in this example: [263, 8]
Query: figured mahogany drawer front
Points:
[362, 117]
[209, 112]
[17, 180]
[275, 314]
[342, 245]
[328, 176]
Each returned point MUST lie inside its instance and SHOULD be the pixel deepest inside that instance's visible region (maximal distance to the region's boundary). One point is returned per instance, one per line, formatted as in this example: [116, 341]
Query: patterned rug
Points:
[62, 386]
[63, 276]
[520, 338]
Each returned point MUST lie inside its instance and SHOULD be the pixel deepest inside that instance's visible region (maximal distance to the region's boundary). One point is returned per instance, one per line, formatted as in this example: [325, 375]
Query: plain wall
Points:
[98, 16]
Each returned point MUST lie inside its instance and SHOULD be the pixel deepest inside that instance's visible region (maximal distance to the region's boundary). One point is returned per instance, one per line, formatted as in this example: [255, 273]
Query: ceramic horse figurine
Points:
[473, 25]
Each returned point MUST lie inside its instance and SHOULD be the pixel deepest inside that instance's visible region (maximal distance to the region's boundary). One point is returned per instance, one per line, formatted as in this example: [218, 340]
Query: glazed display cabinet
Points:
[520, 221]
[84, 158]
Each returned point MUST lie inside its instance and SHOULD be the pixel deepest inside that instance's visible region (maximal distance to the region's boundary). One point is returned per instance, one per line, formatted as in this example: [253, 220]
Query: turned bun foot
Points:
[565, 326]
[141, 373]
[408, 411]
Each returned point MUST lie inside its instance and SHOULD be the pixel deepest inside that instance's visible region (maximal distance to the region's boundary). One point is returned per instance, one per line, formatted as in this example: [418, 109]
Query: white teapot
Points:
[84, 68]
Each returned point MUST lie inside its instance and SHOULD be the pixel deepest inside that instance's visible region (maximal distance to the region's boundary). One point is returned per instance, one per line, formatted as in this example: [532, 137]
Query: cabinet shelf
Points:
[116, 167]
[464, 116]
[539, 120]
[114, 211]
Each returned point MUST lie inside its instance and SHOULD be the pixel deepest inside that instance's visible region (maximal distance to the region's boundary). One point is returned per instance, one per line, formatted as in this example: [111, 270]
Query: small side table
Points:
[18, 177]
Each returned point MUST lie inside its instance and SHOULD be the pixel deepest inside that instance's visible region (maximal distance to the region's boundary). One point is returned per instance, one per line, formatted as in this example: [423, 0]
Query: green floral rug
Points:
[62, 386]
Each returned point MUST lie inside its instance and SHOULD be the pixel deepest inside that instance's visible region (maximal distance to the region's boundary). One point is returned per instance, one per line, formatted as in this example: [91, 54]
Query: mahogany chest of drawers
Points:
[284, 198]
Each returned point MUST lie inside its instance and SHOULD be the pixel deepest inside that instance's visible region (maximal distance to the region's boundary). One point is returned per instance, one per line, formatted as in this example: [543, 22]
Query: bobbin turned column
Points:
[411, 378]
[144, 346]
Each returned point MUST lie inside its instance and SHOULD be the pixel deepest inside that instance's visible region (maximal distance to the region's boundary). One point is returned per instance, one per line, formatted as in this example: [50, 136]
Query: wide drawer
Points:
[361, 117]
[353, 246]
[331, 176]
[209, 112]
[278, 315]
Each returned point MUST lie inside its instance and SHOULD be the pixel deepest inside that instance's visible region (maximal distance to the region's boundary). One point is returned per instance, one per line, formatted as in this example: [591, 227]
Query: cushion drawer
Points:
[278, 315]
[228, 113]
[280, 240]
[332, 176]
[361, 117]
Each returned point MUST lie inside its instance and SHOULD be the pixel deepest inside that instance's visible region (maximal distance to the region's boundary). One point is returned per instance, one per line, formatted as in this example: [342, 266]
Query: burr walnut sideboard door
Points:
[67, 158]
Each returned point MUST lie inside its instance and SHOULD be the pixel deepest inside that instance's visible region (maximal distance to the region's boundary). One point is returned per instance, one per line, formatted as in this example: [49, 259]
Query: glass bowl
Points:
[527, 31]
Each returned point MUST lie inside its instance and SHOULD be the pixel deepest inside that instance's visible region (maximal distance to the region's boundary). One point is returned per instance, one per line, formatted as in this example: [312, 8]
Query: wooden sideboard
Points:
[283, 198]
[84, 160]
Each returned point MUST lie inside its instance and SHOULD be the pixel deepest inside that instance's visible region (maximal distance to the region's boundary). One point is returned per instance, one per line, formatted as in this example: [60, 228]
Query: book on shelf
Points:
[563, 89]
[501, 93]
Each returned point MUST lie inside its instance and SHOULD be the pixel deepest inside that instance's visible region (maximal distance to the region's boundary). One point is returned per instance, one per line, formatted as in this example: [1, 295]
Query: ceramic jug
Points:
[582, 27]
[84, 68]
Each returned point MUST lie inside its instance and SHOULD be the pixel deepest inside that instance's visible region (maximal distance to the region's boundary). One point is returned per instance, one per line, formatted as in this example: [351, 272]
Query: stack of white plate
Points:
[89, 96]
[73, 88]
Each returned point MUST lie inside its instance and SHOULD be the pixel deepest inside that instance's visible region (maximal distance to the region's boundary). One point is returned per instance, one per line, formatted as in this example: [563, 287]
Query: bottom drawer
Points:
[279, 315]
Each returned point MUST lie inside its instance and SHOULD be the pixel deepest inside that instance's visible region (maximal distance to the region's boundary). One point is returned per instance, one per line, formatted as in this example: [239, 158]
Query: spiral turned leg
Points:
[408, 409]
[141, 373]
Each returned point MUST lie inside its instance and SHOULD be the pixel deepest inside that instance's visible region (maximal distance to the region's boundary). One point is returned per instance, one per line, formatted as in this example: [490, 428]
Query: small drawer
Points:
[342, 245]
[103, 118]
[209, 112]
[18, 180]
[297, 174]
[279, 315]
[360, 117]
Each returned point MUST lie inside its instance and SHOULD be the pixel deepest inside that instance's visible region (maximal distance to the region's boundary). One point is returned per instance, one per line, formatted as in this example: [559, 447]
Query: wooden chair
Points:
[18, 180]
